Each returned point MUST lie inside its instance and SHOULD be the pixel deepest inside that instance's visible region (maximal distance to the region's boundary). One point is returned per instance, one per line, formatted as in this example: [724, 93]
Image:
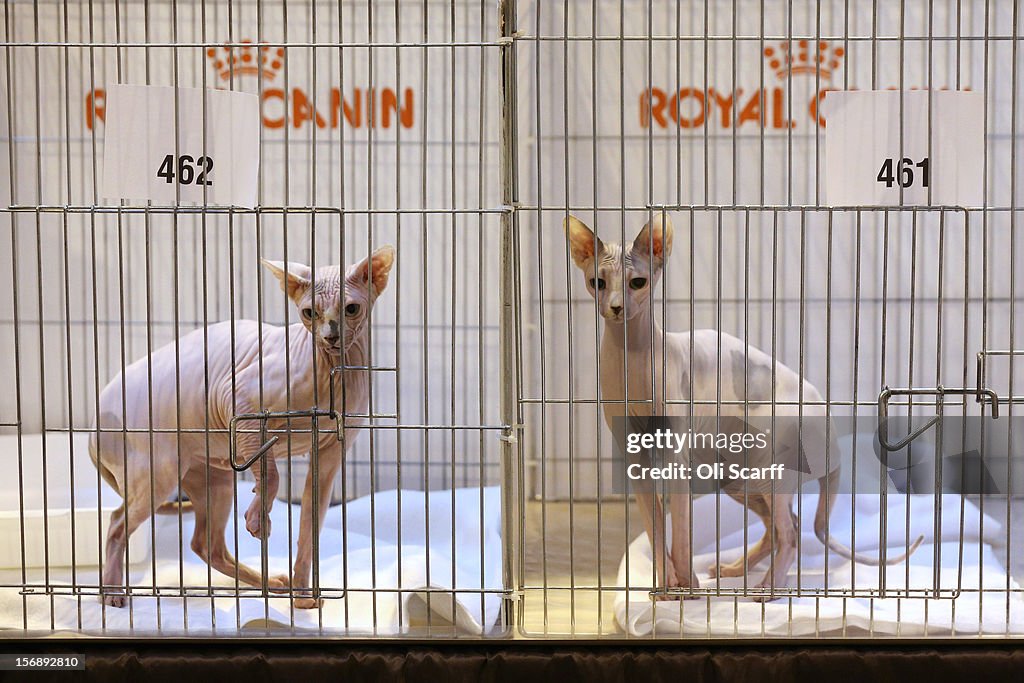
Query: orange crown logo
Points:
[246, 60]
[807, 58]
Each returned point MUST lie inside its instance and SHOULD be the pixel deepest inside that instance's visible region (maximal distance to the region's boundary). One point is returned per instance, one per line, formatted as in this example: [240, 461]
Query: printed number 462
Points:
[189, 171]
[904, 173]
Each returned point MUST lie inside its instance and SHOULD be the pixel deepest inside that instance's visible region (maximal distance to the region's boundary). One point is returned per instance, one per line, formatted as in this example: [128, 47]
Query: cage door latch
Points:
[984, 395]
[268, 443]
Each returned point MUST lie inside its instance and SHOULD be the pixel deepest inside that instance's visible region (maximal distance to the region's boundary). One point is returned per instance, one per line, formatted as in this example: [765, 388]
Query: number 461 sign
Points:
[171, 145]
[869, 162]
[904, 175]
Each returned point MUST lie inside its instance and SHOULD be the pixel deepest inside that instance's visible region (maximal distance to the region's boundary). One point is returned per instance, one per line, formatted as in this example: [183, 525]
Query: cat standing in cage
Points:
[163, 422]
[726, 382]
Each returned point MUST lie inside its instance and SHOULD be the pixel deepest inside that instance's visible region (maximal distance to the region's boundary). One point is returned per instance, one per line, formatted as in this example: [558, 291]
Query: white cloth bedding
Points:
[970, 613]
[465, 555]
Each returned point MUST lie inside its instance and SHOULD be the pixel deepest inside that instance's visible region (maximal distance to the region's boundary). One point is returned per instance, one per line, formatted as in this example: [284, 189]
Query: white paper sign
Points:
[866, 164]
[144, 159]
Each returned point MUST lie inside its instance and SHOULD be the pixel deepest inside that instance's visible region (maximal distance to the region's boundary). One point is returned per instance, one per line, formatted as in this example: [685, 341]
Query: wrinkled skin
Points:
[295, 374]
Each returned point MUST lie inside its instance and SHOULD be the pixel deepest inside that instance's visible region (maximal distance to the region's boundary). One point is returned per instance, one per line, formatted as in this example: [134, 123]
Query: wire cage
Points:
[715, 114]
[376, 130]
[482, 490]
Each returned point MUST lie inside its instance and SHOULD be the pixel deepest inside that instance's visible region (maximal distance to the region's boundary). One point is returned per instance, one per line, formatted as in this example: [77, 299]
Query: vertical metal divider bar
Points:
[9, 75]
[511, 493]
[1014, 84]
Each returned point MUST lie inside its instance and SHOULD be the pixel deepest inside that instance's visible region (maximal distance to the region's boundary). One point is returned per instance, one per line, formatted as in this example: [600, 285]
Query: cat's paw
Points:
[725, 570]
[279, 583]
[256, 524]
[679, 579]
[308, 603]
[114, 599]
[670, 581]
[765, 585]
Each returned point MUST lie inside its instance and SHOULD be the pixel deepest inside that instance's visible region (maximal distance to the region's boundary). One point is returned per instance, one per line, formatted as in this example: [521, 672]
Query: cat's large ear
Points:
[655, 239]
[376, 266]
[295, 281]
[582, 241]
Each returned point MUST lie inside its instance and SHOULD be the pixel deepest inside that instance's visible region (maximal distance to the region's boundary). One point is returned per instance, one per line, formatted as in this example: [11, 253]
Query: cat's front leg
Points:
[330, 459]
[681, 554]
[248, 443]
[653, 514]
[257, 520]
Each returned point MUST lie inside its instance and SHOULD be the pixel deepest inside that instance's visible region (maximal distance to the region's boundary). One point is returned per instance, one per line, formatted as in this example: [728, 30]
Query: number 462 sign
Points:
[186, 145]
[869, 162]
[198, 171]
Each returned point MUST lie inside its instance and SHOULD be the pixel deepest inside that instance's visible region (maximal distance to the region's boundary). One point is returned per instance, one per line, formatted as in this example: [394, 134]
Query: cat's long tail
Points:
[829, 487]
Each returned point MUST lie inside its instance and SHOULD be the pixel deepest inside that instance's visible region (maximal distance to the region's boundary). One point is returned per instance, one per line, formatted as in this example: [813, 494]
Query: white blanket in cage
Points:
[464, 554]
[996, 612]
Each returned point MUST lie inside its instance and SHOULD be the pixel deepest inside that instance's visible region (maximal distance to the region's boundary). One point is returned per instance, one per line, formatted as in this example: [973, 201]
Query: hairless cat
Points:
[705, 376]
[163, 422]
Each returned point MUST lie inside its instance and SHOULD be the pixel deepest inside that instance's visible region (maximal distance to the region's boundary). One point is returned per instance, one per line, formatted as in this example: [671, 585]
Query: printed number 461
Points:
[190, 171]
[904, 175]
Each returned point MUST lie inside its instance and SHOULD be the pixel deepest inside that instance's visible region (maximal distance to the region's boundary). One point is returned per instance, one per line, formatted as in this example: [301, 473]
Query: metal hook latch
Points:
[267, 443]
[1009, 354]
[940, 391]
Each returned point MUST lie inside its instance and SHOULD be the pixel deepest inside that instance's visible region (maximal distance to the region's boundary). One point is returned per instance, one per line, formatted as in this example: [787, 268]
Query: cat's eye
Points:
[597, 283]
[638, 283]
[352, 309]
[307, 313]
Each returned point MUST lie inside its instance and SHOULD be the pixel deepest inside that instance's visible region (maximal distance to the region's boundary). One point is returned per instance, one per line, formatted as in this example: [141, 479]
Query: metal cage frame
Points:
[520, 216]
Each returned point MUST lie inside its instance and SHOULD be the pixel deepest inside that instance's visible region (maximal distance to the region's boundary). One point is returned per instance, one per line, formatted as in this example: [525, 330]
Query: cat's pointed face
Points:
[335, 308]
[620, 279]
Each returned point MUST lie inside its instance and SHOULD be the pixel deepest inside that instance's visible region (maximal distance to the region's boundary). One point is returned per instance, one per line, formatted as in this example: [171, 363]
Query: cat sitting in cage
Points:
[718, 383]
[164, 421]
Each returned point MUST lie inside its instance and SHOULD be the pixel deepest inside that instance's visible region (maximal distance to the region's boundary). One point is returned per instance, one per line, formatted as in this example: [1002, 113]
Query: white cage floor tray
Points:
[41, 524]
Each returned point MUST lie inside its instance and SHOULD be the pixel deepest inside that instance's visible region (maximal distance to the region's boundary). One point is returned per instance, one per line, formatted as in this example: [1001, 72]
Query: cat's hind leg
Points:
[783, 549]
[758, 504]
[138, 505]
[212, 511]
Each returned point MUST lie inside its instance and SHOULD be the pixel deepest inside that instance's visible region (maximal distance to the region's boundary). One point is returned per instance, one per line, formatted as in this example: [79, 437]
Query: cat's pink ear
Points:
[294, 277]
[377, 267]
[583, 243]
[656, 238]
